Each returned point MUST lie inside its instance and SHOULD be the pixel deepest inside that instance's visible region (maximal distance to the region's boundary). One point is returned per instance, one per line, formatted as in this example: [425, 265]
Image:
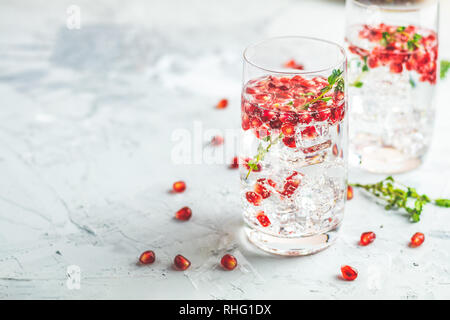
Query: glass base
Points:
[291, 246]
[386, 160]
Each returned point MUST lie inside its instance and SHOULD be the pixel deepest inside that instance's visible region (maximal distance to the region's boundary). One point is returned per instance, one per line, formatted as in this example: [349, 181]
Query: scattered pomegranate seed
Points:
[293, 65]
[348, 273]
[228, 262]
[417, 239]
[263, 219]
[235, 163]
[217, 140]
[309, 132]
[349, 192]
[367, 238]
[147, 257]
[181, 263]
[222, 104]
[184, 214]
[253, 198]
[179, 186]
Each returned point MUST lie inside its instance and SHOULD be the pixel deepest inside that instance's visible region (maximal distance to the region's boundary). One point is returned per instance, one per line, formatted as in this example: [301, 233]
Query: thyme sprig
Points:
[262, 151]
[335, 80]
[445, 66]
[398, 196]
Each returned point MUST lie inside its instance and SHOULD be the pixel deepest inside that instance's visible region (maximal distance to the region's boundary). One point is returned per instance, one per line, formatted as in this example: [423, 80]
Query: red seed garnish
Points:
[179, 186]
[253, 198]
[184, 214]
[309, 132]
[228, 262]
[417, 239]
[235, 163]
[181, 263]
[348, 273]
[263, 219]
[217, 140]
[147, 257]
[222, 104]
[367, 238]
[288, 129]
[261, 190]
[293, 65]
[335, 150]
[349, 192]
[289, 142]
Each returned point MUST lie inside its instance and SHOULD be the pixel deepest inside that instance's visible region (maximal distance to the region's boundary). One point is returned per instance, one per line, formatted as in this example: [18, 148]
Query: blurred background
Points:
[91, 92]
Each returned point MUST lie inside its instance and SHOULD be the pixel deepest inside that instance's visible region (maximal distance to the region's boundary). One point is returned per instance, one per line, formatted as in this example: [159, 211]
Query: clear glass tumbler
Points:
[392, 68]
[293, 147]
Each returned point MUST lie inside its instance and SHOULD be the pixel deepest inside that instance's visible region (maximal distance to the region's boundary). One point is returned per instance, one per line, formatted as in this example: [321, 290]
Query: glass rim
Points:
[341, 61]
[382, 7]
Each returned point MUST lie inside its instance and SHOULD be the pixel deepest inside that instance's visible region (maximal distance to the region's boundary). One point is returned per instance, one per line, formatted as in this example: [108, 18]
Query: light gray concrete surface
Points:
[87, 118]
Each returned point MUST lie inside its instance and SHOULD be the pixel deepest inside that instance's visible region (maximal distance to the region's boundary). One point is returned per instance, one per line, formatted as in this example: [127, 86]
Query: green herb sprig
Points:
[335, 80]
[445, 66]
[398, 196]
[262, 151]
[365, 68]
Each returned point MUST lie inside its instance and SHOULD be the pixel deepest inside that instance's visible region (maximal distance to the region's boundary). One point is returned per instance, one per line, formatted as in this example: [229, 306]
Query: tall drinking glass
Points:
[293, 148]
[392, 64]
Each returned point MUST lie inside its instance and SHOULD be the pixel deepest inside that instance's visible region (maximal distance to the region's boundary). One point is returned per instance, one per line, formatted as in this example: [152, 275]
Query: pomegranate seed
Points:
[348, 273]
[304, 118]
[261, 190]
[255, 122]
[417, 239]
[217, 140]
[184, 214]
[293, 65]
[235, 163]
[349, 192]
[289, 142]
[288, 129]
[181, 263]
[396, 67]
[179, 186]
[335, 150]
[222, 104]
[228, 262]
[367, 238]
[147, 257]
[263, 219]
[309, 132]
[253, 198]
[275, 123]
[268, 115]
[289, 117]
[245, 122]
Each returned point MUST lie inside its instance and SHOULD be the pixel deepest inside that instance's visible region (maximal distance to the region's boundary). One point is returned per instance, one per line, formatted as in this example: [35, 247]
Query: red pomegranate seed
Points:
[263, 219]
[293, 65]
[309, 132]
[367, 238]
[396, 67]
[217, 140]
[349, 192]
[228, 262]
[417, 239]
[288, 129]
[261, 190]
[235, 163]
[305, 118]
[184, 214]
[147, 257]
[245, 122]
[179, 186]
[181, 263]
[275, 123]
[222, 104]
[253, 198]
[348, 273]
[255, 122]
[335, 150]
[289, 142]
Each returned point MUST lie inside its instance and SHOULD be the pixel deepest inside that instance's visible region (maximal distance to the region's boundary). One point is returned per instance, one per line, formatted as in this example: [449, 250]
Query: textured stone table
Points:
[87, 117]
